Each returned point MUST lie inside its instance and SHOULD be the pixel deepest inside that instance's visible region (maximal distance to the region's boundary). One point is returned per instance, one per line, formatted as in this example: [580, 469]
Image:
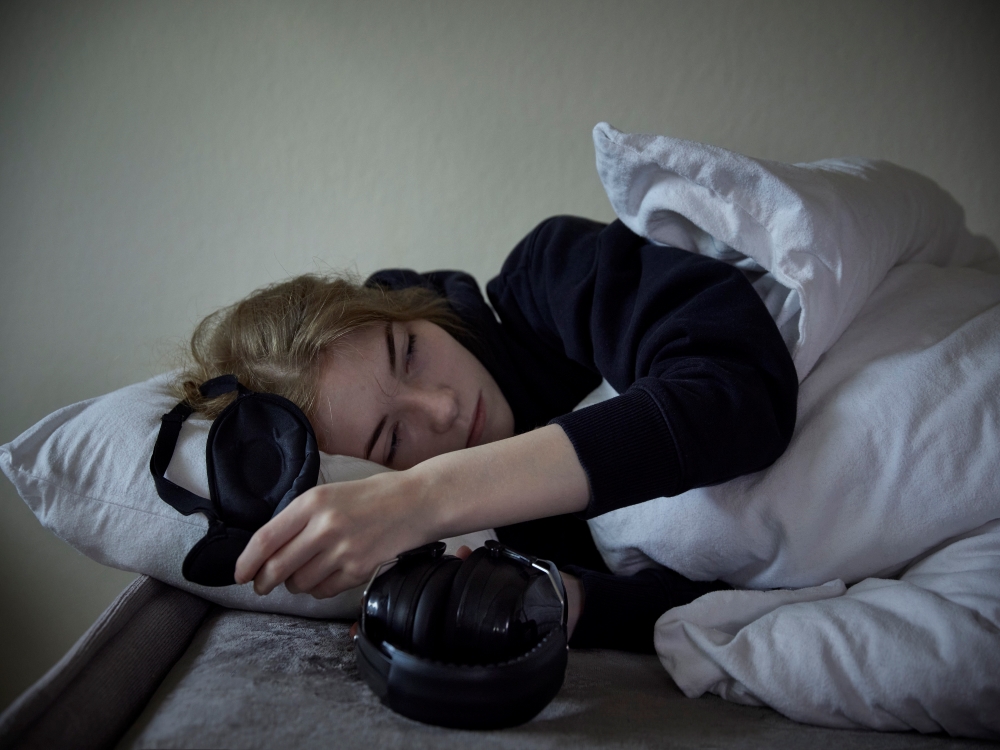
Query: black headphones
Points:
[261, 455]
[473, 644]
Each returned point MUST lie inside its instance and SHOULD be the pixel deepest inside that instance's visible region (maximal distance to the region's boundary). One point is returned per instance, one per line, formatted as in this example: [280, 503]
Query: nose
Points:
[437, 405]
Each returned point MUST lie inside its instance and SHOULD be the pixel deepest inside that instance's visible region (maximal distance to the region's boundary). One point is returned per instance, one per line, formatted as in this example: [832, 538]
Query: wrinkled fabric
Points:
[921, 652]
[879, 525]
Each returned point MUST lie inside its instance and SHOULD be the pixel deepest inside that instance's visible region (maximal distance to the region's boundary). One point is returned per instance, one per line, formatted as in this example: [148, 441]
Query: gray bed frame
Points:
[165, 669]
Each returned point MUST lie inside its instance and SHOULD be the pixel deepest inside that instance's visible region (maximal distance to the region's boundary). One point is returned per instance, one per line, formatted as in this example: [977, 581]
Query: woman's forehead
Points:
[366, 343]
[359, 364]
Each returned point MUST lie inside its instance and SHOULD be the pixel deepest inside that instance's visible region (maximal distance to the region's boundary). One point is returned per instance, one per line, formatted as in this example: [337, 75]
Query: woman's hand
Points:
[332, 537]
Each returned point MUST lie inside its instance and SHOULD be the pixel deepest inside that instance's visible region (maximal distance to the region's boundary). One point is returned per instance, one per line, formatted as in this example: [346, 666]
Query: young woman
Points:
[475, 410]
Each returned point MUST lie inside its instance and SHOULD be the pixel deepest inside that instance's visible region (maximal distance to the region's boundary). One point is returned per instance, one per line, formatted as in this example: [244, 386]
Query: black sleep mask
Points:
[261, 454]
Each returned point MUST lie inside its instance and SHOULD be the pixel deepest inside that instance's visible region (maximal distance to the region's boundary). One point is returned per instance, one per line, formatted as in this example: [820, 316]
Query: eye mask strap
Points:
[222, 385]
[182, 500]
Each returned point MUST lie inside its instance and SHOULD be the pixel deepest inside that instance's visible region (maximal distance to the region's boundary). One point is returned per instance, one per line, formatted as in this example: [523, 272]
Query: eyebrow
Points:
[390, 345]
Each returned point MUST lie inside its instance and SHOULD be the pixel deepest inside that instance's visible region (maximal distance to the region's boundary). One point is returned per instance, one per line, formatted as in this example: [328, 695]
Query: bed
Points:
[162, 668]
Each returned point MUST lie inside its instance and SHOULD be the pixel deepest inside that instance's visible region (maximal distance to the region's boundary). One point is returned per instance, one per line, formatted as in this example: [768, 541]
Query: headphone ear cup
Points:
[457, 620]
[412, 597]
[427, 627]
[482, 624]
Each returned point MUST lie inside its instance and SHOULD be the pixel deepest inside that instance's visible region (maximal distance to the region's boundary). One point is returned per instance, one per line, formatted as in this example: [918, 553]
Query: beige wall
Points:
[160, 159]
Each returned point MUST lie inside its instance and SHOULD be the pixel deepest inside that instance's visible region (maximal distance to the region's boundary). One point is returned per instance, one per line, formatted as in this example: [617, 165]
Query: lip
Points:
[478, 423]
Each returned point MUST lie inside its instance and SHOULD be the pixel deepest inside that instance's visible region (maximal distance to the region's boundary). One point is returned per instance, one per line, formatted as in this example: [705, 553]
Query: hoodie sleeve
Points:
[707, 387]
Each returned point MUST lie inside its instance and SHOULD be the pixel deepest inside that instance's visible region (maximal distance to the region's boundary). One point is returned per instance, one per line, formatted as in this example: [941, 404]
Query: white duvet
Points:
[879, 523]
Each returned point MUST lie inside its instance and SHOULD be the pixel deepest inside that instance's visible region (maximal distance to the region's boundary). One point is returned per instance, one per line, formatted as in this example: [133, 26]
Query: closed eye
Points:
[411, 349]
[393, 445]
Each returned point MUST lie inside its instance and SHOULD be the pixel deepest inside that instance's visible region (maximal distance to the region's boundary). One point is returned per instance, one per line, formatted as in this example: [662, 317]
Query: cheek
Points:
[322, 427]
[335, 423]
[441, 362]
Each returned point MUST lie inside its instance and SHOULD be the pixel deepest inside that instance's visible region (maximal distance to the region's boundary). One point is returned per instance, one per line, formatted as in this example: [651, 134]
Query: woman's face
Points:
[400, 393]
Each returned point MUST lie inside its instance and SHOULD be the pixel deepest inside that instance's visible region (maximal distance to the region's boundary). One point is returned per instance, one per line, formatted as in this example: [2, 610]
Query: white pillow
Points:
[84, 472]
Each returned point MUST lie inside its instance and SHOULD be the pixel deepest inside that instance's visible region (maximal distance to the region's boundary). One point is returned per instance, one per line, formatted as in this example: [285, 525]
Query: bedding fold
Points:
[816, 239]
[918, 653]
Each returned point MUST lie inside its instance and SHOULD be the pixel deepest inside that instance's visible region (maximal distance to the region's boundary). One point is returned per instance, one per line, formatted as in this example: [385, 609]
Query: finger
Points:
[463, 552]
[293, 588]
[336, 583]
[283, 565]
[314, 571]
[268, 539]
[354, 631]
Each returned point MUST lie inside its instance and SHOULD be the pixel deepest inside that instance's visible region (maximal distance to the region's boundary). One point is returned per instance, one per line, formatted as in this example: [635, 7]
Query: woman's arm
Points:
[331, 537]
[708, 388]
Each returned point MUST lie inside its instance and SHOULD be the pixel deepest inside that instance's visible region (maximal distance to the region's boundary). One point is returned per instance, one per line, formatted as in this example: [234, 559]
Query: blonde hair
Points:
[272, 340]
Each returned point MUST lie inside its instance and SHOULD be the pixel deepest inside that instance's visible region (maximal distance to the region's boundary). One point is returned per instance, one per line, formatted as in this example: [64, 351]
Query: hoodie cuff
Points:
[620, 612]
[627, 450]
